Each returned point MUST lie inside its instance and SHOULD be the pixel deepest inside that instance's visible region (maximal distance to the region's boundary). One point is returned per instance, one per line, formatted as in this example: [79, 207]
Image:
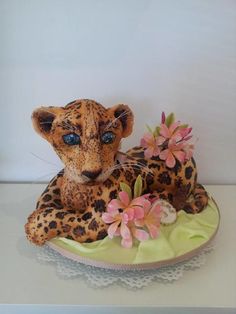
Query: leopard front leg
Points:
[52, 219]
[47, 223]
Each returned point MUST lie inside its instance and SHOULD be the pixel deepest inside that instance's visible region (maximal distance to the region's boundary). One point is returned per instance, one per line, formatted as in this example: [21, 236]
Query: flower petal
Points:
[108, 218]
[124, 197]
[164, 154]
[170, 160]
[164, 131]
[113, 206]
[112, 229]
[180, 155]
[153, 230]
[174, 126]
[140, 235]
[148, 153]
[124, 231]
[127, 243]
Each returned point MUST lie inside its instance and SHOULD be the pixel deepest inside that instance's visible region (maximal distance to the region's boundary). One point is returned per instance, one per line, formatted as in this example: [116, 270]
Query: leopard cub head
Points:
[86, 136]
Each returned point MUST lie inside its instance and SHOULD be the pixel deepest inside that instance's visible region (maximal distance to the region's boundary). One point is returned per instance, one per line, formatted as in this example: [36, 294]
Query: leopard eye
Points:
[71, 139]
[108, 137]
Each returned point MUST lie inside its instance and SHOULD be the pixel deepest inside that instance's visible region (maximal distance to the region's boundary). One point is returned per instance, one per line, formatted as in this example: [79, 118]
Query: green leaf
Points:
[170, 119]
[149, 129]
[138, 186]
[126, 188]
[183, 126]
[156, 131]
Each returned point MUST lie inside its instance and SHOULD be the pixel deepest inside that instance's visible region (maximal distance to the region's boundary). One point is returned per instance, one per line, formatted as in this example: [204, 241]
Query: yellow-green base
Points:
[186, 235]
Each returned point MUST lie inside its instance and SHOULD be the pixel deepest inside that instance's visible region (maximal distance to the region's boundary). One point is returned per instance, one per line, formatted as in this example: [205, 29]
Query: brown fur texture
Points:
[73, 202]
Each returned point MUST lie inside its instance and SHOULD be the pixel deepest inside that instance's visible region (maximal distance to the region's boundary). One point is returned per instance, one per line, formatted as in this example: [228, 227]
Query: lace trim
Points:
[136, 279]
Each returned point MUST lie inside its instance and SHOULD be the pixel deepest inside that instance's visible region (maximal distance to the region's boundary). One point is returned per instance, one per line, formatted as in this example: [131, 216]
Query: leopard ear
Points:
[43, 118]
[126, 117]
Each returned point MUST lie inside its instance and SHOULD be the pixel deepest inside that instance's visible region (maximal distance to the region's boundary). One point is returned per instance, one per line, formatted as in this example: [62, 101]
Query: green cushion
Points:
[189, 232]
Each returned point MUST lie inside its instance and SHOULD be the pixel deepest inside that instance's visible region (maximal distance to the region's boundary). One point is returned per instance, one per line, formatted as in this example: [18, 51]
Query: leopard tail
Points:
[197, 201]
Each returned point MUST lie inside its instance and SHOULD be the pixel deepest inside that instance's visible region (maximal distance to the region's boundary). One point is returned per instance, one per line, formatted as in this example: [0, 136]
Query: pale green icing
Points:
[188, 233]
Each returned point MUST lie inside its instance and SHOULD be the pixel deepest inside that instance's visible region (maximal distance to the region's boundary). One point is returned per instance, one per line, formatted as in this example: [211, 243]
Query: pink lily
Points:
[188, 149]
[151, 220]
[171, 133]
[185, 133]
[150, 142]
[173, 151]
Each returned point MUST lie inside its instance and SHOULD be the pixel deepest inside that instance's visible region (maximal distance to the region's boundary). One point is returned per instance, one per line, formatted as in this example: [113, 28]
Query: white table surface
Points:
[26, 286]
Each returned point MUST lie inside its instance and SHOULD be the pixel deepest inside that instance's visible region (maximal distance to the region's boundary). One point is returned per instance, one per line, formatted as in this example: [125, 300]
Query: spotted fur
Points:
[72, 204]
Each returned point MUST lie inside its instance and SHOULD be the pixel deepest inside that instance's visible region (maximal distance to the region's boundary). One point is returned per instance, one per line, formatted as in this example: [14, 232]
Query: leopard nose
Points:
[91, 174]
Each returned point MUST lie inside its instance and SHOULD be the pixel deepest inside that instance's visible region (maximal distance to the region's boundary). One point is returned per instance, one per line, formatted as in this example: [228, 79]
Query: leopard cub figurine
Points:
[86, 136]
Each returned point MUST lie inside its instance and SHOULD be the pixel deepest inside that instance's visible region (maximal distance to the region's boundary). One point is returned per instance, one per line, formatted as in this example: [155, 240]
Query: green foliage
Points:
[170, 119]
[126, 188]
[138, 186]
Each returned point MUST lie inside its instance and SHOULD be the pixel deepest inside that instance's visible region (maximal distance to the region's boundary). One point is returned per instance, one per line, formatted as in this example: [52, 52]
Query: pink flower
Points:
[188, 150]
[136, 233]
[184, 132]
[171, 133]
[150, 142]
[151, 219]
[173, 151]
[119, 221]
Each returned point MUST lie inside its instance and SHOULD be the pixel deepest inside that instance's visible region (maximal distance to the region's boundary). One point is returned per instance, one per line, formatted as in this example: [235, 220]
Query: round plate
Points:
[176, 243]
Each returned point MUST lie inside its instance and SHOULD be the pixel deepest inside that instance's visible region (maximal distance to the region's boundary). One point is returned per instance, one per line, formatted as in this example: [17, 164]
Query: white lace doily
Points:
[99, 277]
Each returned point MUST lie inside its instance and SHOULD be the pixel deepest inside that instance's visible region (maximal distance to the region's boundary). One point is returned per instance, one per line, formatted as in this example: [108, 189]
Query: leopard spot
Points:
[93, 225]
[99, 206]
[149, 179]
[113, 194]
[79, 231]
[66, 228]
[57, 191]
[61, 215]
[47, 197]
[88, 240]
[116, 173]
[128, 176]
[101, 234]
[52, 224]
[45, 229]
[164, 178]
[86, 216]
[108, 183]
[188, 208]
[188, 172]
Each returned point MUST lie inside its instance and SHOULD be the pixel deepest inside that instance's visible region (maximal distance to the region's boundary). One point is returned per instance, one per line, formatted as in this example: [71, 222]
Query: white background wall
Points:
[177, 55]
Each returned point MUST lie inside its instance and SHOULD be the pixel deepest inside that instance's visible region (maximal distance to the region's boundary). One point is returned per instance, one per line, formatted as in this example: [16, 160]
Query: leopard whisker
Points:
[44, 160]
